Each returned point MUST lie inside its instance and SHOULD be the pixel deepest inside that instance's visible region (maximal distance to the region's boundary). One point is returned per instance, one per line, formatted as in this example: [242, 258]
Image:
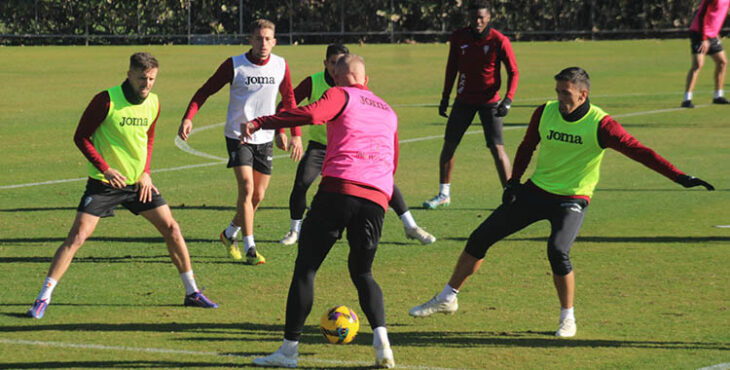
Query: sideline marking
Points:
[722, 366]
[188, 149]
[309, 359]
[722, 226]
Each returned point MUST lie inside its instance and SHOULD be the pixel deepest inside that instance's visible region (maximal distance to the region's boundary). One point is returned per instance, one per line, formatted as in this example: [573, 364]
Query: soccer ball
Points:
[339, 325]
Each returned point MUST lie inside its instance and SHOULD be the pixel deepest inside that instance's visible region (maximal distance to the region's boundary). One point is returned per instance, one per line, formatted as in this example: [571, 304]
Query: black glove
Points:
[511, 189]
[503, 107]
[691, 181]
[442, 107]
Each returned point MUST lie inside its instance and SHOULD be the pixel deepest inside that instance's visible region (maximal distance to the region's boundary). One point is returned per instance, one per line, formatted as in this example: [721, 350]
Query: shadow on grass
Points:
[621, 239]
[118, 364]
[117, 239]
[120, 208]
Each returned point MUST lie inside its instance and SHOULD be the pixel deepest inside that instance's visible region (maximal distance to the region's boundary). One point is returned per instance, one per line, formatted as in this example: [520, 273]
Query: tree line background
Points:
[321, 21]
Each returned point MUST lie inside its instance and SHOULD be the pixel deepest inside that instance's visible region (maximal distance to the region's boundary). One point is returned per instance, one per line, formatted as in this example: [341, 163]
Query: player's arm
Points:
[222, 76]
[327, 108]
[513, 76]
[450, 75]
[92, 118]
[612, 135]
[524, 155]
[288, 101]
[144, 183]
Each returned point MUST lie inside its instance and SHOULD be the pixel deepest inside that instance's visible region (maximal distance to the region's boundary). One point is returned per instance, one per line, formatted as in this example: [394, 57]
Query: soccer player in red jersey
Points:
[573, 135]
[704, 37]
[255, 78]
[116, 134]
[476, 53]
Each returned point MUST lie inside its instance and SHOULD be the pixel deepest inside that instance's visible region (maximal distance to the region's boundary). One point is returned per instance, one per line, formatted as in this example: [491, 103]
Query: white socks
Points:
[567, 313]
[248, 242]
[448, 294]
[231, 231]
[719, 93]
[380, 337]
[295, 225]
[289, 347]
[189, 282]
[408, 221]
[687, 96]
[445, 190]
[47, 289]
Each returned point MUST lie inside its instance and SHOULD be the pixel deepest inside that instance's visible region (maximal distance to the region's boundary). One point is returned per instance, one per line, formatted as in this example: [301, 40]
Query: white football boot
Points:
[567, 328]
[420, 235]
[290, 238]
[434, 305]
[277, 359]
[384, 357]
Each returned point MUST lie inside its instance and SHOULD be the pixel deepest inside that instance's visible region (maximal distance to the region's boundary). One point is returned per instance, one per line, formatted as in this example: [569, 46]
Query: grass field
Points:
[651, 266]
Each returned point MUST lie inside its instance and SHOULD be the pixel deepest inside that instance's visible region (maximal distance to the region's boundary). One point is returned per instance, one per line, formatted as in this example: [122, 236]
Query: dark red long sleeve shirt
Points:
[224, 75]
[477, 60]
[610, 135]
[92, 118]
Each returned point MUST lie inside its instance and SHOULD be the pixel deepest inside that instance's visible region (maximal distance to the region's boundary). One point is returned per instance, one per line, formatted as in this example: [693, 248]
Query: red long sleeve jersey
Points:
[610, 135]
[92, 118]
[478, 61]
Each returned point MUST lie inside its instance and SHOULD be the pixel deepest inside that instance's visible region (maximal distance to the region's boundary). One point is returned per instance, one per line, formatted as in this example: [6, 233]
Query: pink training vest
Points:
[361, 141]
[714, 17]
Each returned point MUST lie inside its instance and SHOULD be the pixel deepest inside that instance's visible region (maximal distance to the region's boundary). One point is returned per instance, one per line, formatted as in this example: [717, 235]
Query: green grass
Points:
[651, 268]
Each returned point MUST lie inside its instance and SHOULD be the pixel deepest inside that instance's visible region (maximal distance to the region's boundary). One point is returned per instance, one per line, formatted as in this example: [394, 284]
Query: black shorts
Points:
[462, 115]
[100, 199]
[565, 217]
[258, 156]
[696, 40]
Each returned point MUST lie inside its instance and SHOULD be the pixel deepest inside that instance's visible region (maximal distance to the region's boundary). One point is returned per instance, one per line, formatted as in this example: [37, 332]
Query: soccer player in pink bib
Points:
[255, 78]
[357, 182]
[705, 40]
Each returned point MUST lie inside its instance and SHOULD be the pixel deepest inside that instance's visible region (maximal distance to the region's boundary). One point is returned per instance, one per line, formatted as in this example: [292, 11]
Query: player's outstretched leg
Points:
[412, 230]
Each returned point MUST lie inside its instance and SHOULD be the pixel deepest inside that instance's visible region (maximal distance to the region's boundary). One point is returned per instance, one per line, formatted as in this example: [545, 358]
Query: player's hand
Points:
[145, 188]
[115, 178]
[281, 140]
[511, 189]
[704, 47]
[443, 106]
[247, 130]
[691, 181]
[503, 107]
[185, 127]
[295, 148]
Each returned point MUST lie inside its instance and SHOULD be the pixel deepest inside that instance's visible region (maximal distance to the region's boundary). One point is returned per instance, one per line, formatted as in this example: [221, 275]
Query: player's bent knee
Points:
[476, 250]
[559, 262]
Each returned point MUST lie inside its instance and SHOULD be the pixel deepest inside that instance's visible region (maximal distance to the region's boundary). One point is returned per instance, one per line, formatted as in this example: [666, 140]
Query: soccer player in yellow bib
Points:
[116, 134]
[573, 135]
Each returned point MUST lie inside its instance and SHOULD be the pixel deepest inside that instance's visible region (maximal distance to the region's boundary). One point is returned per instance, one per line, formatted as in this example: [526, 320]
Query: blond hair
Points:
[262, 23]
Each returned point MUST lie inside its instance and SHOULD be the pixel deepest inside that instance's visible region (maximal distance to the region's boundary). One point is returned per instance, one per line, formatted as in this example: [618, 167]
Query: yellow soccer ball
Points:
[339, 325]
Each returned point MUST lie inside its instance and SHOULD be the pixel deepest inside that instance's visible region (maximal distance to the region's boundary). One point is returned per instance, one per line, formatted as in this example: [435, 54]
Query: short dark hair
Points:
[142, 61]
[576, 75]
[335, 49]
[262, 23]
[480, 4]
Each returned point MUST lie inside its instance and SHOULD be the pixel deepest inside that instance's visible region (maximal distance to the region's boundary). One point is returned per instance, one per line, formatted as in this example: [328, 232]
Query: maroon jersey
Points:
[477, 58]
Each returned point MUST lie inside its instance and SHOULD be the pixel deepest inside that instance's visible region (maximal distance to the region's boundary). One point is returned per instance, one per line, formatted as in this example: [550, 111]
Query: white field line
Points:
[184, 146]
[305, 359]
[723, 366]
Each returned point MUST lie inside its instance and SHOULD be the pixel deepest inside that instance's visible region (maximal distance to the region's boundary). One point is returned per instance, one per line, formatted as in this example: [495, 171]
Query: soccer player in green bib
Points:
[312, 88]
[116, 134]
[573, 135]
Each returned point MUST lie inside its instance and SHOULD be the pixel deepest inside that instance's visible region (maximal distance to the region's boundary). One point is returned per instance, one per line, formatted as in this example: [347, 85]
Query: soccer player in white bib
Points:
[255, 78]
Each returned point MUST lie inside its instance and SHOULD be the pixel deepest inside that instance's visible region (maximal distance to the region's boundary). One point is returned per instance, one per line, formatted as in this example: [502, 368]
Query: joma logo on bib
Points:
[260, 80]
[134, 121]
[568, 138]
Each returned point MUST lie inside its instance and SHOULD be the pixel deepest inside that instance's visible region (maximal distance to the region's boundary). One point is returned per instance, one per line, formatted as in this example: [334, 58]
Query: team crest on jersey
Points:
[463, 49]
[486, 49]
